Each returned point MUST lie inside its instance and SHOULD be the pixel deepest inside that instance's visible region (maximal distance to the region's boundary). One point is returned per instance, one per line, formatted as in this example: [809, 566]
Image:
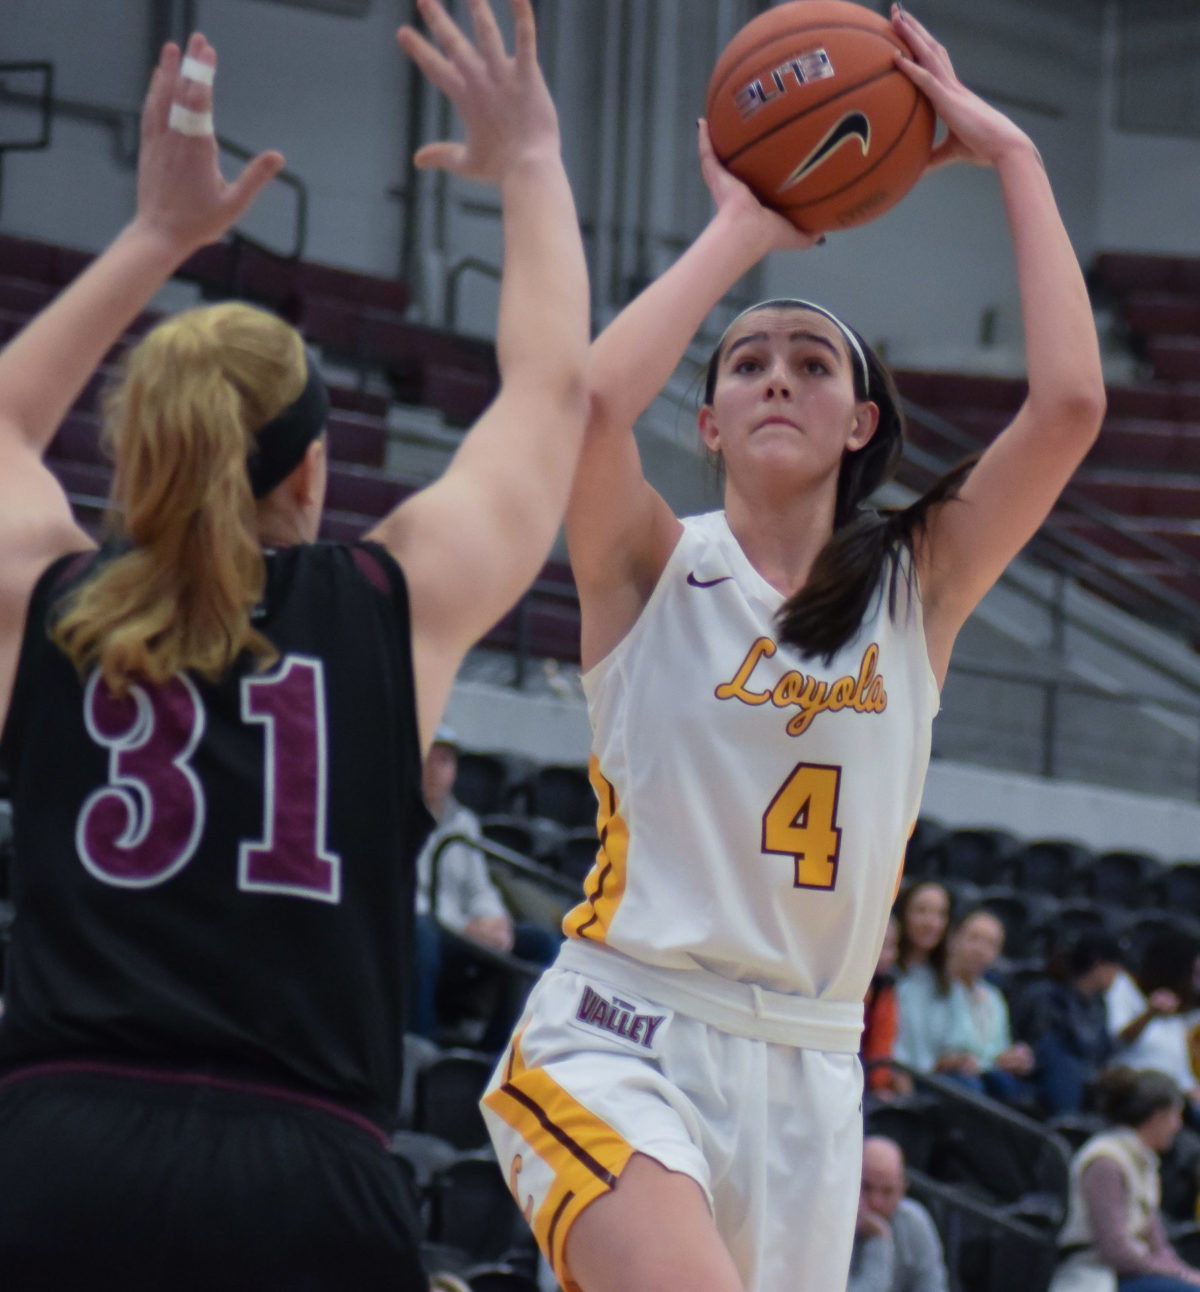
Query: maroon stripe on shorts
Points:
[202, 1079]
[572, 1146]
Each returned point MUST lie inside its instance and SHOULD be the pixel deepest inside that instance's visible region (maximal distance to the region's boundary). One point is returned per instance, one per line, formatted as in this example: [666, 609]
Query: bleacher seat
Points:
[471, 1209]
[1116, 878]
[1047, 865]
[976, 856]
[920, 854]
[562, 793]
[1174, 888]
[575, 855]
[448, 1089]
[483, 781]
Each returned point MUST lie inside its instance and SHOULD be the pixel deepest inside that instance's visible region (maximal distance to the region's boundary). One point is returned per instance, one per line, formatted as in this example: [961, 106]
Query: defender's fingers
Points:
[440, 156]
[524, 34]
[488, 40]
[456, 47]
[192, 93]
[435, 66]
[255, 176]
[158, 94]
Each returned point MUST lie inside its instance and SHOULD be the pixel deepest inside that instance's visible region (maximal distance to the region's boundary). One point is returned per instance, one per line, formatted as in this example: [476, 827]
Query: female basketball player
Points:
[214, 727]
[680, 1106]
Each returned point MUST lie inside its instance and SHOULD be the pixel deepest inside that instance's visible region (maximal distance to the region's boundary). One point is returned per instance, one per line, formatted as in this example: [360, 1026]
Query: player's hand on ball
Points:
[734, 198]
[977, 132]
[502, 99]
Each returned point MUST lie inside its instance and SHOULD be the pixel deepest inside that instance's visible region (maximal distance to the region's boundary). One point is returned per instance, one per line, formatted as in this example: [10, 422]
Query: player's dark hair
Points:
[1130, 1098]
[826, 613]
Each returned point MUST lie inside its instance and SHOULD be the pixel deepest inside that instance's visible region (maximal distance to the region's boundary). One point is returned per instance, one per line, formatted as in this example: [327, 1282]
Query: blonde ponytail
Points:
[180, 423]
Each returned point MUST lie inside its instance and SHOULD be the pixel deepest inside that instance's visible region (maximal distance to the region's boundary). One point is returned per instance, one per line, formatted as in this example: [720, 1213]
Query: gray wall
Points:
[629, 76]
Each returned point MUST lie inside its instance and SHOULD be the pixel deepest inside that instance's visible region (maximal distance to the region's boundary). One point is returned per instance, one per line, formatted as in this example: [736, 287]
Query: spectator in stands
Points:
[467, 903]
[958, 1026]
[1114, 1235]
[1066, 1021]
[924, 916]
[215, 740]
[975, 944]
[1153, 1014]
[881, 1020]
[896, 1246]
[933, 1024]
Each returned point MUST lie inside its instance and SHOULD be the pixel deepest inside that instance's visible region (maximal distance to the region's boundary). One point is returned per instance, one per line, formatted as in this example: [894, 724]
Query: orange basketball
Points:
[806, 107]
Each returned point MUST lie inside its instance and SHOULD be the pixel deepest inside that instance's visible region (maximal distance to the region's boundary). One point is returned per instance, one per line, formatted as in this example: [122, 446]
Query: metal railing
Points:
[124, 126]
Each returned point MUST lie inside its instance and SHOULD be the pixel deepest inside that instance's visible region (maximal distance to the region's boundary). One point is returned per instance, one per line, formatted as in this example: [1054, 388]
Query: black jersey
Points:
[221, 876]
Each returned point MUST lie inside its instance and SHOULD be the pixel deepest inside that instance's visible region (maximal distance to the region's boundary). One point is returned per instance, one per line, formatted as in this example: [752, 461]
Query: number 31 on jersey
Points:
[801, 822]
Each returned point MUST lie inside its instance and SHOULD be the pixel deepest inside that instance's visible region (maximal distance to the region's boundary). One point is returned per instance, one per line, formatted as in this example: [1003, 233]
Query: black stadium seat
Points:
[447, 1097]
[472, 1209]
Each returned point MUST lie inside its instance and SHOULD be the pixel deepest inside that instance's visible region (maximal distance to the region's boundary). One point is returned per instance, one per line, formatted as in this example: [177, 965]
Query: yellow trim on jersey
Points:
[585, 1154]
[605, 884]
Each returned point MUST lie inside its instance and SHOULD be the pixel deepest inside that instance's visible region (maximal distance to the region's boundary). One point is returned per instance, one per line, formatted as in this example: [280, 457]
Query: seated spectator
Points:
[974, 947]
[896, 1247]
[1153, 1014]
[957, 1023]
[1066, 1021]
[467, 903]
[881, 1021]
[923, 913]
[1114, 1237]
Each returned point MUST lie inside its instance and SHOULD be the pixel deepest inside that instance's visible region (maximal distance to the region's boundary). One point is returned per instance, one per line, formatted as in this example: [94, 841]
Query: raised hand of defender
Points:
[502, 99]
[181, 193]
[977, 132]
[771, 231]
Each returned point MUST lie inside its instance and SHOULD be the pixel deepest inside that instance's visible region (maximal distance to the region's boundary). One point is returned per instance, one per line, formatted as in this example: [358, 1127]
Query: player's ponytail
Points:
[826, 613]
[181, 424]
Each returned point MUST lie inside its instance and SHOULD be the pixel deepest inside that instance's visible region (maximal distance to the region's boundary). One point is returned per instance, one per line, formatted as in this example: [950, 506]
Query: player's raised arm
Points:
[619, 529]
[473, 542]
[970, 540]
[182, 203]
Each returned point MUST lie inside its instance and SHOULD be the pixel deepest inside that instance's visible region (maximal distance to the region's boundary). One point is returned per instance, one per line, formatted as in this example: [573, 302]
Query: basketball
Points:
[807, 108]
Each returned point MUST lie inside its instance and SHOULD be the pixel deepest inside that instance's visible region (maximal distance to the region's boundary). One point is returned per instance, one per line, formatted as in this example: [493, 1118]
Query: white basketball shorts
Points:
[772, 1132]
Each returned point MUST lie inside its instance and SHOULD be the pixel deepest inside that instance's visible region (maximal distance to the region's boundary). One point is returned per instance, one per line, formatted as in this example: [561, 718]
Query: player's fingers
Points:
[488, 40]
[255, 176]
[450, 40]
[158, 95]
[524, 35]
[193, 85]
[436, 67]
[440, 156]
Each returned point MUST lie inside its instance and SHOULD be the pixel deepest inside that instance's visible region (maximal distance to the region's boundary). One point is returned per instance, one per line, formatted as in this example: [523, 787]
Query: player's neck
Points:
[781, 541]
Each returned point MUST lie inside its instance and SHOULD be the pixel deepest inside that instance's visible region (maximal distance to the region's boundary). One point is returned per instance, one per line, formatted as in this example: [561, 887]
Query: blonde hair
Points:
[180, 423]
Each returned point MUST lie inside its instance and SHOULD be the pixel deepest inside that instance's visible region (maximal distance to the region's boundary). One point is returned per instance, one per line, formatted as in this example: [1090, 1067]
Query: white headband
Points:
[789, 302]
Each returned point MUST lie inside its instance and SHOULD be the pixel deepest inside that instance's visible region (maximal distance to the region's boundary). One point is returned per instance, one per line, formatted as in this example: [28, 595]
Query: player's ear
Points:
[710, 435]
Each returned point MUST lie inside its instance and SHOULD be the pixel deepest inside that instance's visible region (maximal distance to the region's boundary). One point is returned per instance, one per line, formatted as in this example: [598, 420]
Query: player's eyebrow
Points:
[760, 337]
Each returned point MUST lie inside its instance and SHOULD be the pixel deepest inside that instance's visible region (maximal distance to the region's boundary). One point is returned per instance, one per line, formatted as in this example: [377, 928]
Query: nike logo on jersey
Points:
[854, 125]
[706, 583]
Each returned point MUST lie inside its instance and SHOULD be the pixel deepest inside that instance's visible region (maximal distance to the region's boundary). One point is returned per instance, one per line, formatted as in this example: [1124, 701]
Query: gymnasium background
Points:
[1064, 715]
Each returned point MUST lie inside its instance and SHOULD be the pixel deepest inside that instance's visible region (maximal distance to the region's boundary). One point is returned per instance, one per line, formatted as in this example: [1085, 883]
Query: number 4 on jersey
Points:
[800, 823]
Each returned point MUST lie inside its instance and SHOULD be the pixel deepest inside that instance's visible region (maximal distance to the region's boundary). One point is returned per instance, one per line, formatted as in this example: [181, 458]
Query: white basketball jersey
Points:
[754, 803]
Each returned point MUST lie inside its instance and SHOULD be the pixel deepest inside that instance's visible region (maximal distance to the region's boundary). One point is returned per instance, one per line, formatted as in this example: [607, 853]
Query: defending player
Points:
[214, 727]
[680, 1105]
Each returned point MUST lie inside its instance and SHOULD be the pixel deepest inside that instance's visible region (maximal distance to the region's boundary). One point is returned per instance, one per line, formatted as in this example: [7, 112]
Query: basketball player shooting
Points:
[680, 1107]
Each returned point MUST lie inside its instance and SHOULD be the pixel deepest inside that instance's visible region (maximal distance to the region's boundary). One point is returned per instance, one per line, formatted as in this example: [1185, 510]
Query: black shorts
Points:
[176, 1184]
